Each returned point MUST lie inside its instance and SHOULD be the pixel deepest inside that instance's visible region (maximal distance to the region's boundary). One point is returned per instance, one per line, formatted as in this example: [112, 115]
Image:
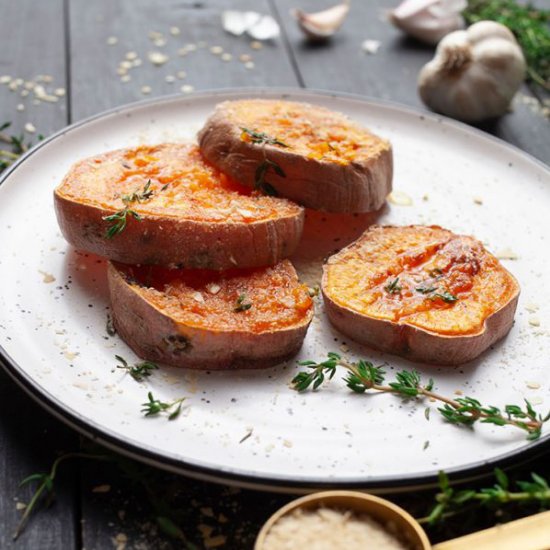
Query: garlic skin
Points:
[474, 74]
[254, 24]
[429, 20]
[323, 24]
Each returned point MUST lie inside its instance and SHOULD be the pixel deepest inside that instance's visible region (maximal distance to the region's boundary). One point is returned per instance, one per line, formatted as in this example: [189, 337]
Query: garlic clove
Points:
[264, 29]
[256, 25]
[428, 20]
[474, 74]
[323, 24]
[238, 22]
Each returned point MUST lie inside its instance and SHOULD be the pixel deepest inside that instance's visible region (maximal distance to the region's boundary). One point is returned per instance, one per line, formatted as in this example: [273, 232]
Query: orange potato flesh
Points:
[209, 299]
[313, 132]
[184, 186]
[420, 258]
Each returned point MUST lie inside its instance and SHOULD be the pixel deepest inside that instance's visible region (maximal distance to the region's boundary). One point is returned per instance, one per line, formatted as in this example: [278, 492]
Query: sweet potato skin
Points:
[360, 186]
[415, 343]
[178, 242]
[93, 187]
[155, 336]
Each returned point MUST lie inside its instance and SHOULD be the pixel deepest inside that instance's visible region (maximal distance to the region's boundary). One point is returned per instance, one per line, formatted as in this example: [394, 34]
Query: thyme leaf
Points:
[260, 182]
[363, 377]
[446, 296]
[425, 288]
[153, 407]
[242, 304]
[393, 287]
[262, 138]
[139, 371]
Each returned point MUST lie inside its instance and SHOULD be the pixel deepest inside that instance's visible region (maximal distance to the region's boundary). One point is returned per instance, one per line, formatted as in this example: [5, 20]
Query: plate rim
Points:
[233, 476]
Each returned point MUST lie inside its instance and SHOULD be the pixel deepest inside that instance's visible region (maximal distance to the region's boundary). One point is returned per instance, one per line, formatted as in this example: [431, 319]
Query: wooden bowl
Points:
[383, 511]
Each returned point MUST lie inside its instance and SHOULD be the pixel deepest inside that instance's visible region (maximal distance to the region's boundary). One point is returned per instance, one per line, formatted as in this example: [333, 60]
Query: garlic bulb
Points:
[474, 74]
[323, 24]
[429, 20]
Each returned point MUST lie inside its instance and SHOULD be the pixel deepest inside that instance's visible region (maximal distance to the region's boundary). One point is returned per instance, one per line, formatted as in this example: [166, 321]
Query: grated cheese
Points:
[329, 529]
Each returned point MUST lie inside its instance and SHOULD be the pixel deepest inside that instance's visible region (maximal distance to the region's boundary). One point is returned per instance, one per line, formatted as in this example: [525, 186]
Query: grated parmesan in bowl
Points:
[328, 529]
[347, 520]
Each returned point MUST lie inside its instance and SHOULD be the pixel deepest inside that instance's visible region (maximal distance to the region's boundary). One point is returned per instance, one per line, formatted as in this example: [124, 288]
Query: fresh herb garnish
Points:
[425, 289]
[242, 304]
[45, 486]
[139, 371]
[529, 25]
[446, 296]
[262, 138]
[154, 407]
[393, 287]
[17, 145]
[364, 376]
[260, 183]
[119, 219]
[450, 501]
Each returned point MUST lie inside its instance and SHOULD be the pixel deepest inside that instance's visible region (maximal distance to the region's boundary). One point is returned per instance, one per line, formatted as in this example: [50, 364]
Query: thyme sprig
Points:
[17, 145]
[45, 486]
[529, 25]
[435, 292]
[262, 138]
[242, 304]
[153, 407]
[450, 502]
[139, 371]
[119, 219]
[363, 376]
[260, 182]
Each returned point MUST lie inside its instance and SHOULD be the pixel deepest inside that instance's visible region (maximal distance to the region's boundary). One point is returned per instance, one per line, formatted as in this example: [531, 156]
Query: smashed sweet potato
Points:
[247, 318]
[165, 205]
[420, 292]
[316, 157]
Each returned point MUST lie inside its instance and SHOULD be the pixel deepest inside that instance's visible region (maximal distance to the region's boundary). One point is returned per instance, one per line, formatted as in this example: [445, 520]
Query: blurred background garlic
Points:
[474, 74]
[321, 25]
[428, 20]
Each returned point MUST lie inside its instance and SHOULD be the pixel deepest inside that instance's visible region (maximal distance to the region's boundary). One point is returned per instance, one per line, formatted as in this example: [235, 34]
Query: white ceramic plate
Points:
[55, 345]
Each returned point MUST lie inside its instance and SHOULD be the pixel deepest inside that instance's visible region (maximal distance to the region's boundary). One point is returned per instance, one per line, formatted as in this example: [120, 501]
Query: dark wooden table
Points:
[80, 44]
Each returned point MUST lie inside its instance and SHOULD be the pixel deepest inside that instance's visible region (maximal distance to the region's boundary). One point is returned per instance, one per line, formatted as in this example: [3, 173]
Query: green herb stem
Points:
[364, 376]
[119, 219]
[46, 485]
[450, 501]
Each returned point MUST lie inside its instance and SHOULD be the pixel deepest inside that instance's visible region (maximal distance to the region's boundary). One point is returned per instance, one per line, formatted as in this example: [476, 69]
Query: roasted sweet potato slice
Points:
[206, 319]
[316, 157]
[420, 292]
[165, 205]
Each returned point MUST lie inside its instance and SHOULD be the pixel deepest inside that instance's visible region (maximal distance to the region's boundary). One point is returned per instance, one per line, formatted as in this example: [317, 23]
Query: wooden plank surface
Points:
[96, 86]
[29, 438]
[391, 73]
[118, 502]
